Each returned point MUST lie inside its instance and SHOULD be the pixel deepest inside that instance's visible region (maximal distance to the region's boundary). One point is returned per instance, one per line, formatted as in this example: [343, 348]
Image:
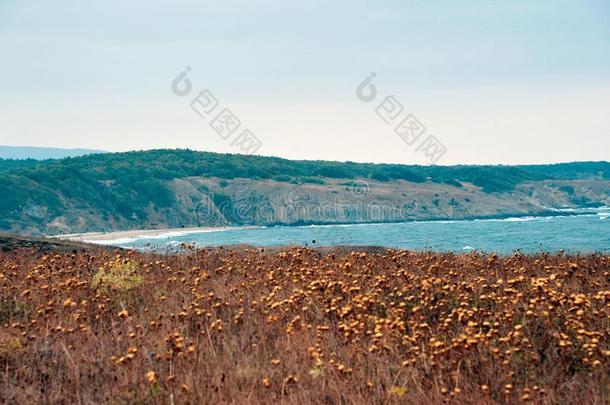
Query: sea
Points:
[584, 230]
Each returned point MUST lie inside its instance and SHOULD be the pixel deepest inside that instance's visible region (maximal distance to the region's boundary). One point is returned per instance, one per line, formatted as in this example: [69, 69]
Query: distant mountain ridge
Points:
[42, 153]
[183, 188]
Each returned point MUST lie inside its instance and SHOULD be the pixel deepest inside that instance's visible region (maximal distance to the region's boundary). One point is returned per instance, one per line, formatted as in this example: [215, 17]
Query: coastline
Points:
[117, 237]
[114, 236]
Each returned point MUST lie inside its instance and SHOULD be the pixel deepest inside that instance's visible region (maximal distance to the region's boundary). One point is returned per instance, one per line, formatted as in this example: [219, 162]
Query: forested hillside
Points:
[122, 189]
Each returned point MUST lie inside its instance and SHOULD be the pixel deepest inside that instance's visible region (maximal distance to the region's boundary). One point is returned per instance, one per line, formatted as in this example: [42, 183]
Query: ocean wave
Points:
[172, 234]
[511, 219]
[522, 219]
[111, 242]
[166, 235]
[603, 208]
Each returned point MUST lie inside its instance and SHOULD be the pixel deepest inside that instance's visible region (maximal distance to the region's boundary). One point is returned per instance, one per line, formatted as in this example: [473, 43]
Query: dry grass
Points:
[303, 326]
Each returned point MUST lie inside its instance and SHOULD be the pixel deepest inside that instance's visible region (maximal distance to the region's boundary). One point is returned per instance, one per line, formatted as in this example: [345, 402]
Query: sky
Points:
[492, 81]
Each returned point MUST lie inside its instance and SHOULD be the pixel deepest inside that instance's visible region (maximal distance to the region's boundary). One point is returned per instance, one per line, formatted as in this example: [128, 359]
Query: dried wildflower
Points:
[291, 379]
[399, 391]
[151, 377]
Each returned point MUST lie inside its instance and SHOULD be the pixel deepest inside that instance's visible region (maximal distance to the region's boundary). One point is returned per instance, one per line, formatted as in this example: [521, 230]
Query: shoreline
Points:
[113, 236]
[116, 237]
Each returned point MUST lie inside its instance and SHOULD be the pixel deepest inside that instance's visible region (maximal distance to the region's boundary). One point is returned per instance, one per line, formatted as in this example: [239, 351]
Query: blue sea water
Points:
[587, 232]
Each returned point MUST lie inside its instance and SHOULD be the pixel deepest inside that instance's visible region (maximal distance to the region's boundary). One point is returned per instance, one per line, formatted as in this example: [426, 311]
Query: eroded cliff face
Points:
[271, 202]
[214, 202]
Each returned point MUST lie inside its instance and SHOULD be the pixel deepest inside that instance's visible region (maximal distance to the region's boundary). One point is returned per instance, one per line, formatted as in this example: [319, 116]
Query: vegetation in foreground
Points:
[303, 326]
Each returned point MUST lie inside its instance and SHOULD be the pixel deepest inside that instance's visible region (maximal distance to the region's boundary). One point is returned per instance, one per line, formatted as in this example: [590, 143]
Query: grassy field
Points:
[303, 326]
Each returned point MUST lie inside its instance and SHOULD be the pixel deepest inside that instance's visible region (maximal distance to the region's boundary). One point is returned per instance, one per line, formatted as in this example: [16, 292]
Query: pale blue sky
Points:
[496, 81]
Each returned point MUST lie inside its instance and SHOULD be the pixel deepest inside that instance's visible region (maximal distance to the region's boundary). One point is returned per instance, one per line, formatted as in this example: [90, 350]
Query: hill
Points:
[175, 188]
[41, 153]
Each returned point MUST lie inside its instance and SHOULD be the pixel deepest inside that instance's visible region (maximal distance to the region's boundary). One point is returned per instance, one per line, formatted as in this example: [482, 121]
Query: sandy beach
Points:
[101, 237]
